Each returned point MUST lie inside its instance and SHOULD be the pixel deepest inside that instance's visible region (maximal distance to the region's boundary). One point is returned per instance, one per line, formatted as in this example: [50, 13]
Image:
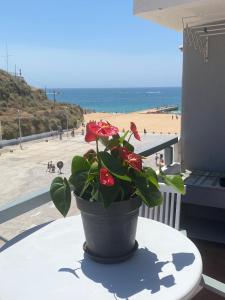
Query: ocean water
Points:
[119, 99]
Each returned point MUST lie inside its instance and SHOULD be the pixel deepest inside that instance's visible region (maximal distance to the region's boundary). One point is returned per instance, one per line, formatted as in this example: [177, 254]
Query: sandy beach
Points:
[153, 123]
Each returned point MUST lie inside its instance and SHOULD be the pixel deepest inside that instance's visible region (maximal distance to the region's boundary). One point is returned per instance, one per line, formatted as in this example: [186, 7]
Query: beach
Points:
[153, 123]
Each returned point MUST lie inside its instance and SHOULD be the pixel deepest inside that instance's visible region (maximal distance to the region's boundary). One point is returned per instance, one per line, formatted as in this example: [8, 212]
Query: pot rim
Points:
[116, 208]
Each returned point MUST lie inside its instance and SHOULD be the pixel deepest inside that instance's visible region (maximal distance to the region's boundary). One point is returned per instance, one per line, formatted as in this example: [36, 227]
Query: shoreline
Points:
[144, 111]
[167, 123]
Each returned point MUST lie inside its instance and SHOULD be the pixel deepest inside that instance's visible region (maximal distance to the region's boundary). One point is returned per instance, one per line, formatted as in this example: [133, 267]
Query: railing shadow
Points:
[22, 235]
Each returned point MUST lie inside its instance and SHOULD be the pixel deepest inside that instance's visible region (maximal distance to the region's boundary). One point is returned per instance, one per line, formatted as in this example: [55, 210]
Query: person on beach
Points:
[72, 133]
[145, 131]
[48, 167]
[53, 168]
[159, 160]
[156, 159]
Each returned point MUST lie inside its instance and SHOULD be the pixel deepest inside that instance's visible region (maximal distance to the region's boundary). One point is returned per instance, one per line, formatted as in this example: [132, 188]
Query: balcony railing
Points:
[28, 203]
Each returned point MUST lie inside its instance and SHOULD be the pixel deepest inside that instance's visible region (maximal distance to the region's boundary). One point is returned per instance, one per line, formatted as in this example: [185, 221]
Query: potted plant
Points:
[109, 186]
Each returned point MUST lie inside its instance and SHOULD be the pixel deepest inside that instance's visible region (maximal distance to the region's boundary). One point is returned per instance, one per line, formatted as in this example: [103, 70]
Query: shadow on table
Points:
[182, 260]
[22, 235]
[141, 272]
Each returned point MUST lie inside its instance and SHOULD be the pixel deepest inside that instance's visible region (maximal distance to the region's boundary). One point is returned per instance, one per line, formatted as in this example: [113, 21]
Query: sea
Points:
[119, 100]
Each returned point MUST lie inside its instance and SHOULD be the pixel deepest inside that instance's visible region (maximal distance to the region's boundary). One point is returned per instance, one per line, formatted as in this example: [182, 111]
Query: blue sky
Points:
[94, 43]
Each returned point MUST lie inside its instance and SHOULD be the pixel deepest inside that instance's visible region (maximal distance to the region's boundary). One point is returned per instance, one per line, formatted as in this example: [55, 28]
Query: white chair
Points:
[169, 213]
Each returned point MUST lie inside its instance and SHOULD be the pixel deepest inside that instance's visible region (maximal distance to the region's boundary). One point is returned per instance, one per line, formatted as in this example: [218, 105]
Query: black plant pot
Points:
[109, 232]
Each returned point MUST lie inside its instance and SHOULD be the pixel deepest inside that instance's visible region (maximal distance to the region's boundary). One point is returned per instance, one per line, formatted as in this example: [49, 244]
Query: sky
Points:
[87, 43]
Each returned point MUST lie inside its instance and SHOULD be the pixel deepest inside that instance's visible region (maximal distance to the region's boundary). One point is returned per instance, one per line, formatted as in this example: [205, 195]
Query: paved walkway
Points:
[24, 172]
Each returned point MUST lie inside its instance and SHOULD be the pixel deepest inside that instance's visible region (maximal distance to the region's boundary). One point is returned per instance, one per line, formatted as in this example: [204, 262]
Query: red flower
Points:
[133, 159]
[133, 128]
[99, 129]
[106, 178]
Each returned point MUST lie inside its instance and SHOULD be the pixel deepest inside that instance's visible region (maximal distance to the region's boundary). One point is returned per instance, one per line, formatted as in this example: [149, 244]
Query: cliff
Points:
[38, 113]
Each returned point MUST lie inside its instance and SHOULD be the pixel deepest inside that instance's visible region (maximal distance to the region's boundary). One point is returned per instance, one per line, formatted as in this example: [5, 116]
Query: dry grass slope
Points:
[37, 111]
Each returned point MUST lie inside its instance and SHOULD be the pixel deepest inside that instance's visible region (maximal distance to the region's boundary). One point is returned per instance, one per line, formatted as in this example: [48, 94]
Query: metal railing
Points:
[30, 202]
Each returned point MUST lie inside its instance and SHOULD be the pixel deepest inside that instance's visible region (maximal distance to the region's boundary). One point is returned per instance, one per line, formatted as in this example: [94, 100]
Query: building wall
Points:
[203, 105]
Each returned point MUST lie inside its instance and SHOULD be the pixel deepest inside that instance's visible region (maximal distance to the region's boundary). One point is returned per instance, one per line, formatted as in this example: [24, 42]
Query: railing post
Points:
[168, 155]
[177, 152]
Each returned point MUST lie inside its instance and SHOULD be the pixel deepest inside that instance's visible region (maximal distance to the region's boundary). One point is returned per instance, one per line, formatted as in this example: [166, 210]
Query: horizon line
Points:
[136, 87]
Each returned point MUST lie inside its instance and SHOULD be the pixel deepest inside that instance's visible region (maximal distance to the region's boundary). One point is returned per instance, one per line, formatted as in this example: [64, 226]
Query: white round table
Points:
[50, 265]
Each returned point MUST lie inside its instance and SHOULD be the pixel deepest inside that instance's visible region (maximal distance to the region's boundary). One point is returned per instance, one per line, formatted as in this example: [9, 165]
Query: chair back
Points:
[168, 212]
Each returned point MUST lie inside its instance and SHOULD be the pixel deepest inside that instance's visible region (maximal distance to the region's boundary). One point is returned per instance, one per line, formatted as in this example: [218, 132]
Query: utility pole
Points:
[67, 122]
[20, 133]
[6, 56]
[54, 93]
[0, 130]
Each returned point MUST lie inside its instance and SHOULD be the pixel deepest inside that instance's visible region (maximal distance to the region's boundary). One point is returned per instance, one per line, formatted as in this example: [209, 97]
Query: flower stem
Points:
[97, 149]
[130, 137]
[97, 146]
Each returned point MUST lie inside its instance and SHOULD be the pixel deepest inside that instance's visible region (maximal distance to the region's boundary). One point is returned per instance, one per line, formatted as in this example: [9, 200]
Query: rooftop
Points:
[176, 13]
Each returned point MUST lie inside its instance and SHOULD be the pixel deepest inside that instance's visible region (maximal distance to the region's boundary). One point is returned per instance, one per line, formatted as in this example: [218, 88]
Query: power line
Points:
[54, 93]
[0, 130]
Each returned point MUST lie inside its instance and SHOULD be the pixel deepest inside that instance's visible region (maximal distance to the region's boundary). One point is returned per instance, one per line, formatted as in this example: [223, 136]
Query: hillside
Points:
[38, 113]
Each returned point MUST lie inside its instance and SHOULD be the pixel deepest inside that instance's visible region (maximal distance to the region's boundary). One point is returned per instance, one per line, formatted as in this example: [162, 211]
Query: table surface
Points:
[50, 265]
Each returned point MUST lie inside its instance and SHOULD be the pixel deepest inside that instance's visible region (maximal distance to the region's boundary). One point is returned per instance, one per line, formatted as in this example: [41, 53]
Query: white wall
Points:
[203, 119]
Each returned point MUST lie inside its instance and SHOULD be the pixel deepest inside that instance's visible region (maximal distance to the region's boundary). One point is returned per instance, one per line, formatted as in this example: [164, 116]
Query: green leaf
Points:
[149, 194]
[79, 164]
[94, 192]
[151, 175]
[126, 189]
[175, 181]
[122, 138]
[61, 195]
[105, 194]
[128, 146]
[114, 166]
[97, 195]
[79, 180]
[112, 143]
[109, 194]
[94, 168]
